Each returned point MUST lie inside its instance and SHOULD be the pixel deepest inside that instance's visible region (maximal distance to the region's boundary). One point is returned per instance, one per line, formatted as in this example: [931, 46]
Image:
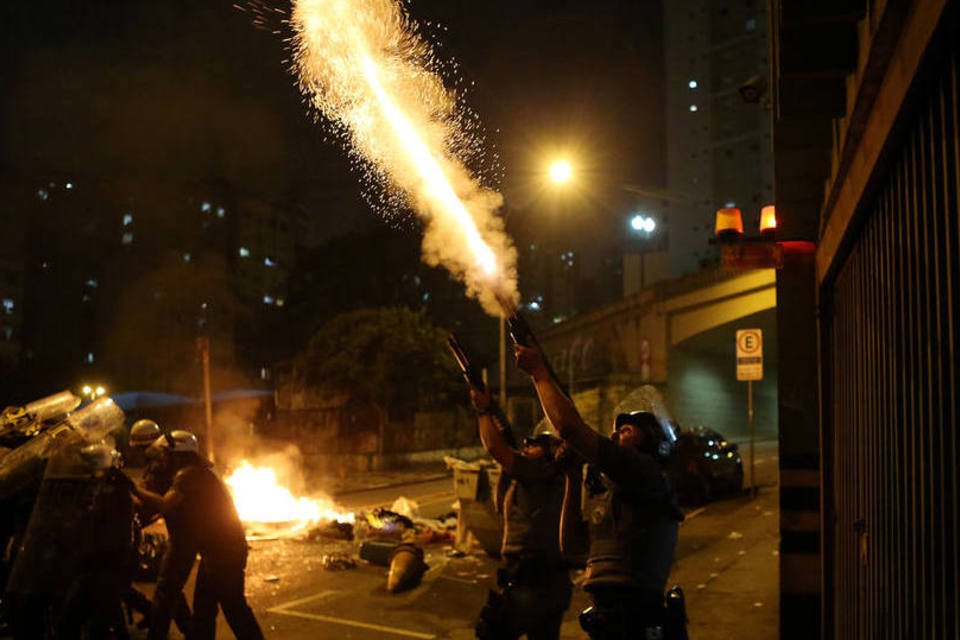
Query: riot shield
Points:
[24, 465]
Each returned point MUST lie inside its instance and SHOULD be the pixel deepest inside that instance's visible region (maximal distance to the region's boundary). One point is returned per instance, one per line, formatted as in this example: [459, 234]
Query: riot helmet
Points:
[143, 433]
[180, 441]
[659, 439]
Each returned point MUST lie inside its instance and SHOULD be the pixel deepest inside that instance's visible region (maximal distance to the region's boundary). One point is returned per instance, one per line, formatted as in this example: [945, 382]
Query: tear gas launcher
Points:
[475, 380]
[522, 334]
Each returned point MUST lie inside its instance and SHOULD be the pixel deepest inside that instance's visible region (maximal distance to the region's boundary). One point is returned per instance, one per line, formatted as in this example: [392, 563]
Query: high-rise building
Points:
[108, 260]
[717, 139]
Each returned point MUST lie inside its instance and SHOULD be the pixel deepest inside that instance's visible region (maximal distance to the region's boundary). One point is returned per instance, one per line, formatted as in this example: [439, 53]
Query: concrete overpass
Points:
[678, 335]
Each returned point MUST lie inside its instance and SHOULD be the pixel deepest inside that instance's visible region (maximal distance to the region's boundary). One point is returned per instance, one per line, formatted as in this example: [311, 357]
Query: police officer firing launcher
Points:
[535, 580]
[630, 508]
[534, 583]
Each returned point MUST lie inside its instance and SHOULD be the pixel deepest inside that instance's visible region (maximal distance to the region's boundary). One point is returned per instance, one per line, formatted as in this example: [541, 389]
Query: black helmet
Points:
[545, 440]
[660, 432]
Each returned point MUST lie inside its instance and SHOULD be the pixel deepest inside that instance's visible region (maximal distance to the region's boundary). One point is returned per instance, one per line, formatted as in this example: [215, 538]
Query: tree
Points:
[391, 358]
[152, 342]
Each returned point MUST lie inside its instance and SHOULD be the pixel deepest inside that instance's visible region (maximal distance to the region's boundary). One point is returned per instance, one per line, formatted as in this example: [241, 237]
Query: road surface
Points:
[726, 561]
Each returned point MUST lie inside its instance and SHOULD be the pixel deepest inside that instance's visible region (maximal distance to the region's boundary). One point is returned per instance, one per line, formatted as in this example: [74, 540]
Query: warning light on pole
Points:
[768, 220]
[729, 224]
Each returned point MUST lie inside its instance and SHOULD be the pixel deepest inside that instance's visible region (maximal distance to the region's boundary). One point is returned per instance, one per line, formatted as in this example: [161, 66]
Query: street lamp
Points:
[92, 392]
[643, 223]
[561, 172]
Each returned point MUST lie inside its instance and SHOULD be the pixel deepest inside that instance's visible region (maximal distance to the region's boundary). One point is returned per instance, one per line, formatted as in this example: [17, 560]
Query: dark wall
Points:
[702, 385]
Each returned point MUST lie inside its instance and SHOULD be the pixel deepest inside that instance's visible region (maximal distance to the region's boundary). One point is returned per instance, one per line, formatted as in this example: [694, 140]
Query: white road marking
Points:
[295, 603]
[352, 623]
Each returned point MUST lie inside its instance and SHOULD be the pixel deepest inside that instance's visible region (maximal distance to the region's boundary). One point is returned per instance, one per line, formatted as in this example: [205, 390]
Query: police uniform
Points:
[534, 583]
[633, 522]
[205, 522]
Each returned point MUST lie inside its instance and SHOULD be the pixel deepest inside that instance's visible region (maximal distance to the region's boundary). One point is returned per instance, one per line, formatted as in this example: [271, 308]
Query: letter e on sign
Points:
[749, 354]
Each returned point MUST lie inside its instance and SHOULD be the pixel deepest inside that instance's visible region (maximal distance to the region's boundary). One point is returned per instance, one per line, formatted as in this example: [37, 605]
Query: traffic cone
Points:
[406, 568]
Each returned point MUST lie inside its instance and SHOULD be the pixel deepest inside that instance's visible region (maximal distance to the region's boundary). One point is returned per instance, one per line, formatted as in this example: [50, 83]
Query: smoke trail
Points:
[362, 64]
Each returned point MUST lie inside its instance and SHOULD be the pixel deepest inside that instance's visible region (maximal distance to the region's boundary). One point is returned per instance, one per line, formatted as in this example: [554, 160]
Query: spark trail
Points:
[362, 64]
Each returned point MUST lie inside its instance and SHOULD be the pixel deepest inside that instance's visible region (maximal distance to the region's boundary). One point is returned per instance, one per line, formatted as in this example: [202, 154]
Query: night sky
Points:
[192, 91]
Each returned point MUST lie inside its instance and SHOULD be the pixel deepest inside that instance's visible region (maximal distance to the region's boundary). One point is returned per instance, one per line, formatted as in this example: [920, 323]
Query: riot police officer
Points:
[201, 518]
[535, 587]
[146, 441]
[630, 509]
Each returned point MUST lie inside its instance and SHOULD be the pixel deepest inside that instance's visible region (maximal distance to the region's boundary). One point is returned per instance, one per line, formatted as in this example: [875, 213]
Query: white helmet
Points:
[180, 441]
[100, 456]
[143, 433]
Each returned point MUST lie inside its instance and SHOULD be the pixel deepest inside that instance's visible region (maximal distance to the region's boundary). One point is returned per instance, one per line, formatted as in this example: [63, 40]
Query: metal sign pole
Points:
[753, 477]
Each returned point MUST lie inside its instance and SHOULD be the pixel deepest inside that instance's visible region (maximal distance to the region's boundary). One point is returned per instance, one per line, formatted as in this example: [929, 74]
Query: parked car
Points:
[704, 466]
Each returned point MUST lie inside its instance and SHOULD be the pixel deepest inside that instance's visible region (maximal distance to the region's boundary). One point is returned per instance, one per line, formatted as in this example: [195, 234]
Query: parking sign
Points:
[749, 354]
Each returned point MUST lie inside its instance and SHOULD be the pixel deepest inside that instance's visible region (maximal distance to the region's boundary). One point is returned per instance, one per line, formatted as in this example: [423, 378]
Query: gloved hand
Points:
[480, 400]
[530, 360]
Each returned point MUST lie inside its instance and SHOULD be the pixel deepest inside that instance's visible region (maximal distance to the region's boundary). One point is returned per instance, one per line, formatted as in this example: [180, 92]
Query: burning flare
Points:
[260, 499]
[363, 66]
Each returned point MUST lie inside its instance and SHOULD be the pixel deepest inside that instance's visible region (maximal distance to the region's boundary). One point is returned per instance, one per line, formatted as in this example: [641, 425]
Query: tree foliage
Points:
[390, 357]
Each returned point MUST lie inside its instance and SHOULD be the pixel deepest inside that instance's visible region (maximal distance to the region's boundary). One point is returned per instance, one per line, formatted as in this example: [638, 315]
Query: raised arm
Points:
[490, 431]
[556, 404]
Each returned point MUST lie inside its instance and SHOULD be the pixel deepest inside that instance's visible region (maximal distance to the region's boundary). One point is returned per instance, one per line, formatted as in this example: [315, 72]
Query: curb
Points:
[391, 485]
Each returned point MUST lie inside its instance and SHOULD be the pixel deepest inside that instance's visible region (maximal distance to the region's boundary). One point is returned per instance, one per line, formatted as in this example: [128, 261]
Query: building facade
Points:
[718, 140]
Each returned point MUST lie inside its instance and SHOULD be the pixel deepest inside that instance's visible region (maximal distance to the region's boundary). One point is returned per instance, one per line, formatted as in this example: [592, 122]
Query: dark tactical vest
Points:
[532, 519]
[631, 540]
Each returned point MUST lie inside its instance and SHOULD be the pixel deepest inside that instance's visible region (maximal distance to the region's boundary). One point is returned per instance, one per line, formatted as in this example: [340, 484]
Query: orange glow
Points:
[260, 499]
[768, 219]
[729, 222]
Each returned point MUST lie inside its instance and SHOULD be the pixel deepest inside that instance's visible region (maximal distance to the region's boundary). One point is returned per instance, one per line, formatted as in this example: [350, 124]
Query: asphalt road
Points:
[294, 597]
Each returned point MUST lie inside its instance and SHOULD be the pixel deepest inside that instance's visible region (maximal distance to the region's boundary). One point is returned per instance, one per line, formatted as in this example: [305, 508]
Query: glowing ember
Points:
[363, 65]
[260, 499]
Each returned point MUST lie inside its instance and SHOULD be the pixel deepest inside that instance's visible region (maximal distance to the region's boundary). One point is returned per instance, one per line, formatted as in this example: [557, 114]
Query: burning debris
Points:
[263, 503]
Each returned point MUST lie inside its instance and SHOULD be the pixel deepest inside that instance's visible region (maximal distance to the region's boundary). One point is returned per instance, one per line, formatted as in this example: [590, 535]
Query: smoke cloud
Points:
[363, 65]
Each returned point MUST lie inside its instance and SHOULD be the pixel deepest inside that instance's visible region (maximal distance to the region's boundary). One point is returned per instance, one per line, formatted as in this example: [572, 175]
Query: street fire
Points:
[261, 500]
[364, 66]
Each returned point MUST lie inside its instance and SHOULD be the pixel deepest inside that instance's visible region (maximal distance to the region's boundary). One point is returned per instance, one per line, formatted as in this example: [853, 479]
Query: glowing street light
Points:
[561, 172]
[643, 223]
[93, 392]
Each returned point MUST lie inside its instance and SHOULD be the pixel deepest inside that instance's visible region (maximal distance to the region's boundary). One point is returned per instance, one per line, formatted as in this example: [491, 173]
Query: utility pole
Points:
[203, 346]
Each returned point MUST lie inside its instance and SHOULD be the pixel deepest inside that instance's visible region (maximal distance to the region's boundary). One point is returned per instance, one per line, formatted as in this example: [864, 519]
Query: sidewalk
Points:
[730, 570]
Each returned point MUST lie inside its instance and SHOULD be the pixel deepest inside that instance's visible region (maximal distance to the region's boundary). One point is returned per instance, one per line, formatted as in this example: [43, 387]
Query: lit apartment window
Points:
[127, 219]
[43, 194]
[244, 252]
[280, 302]
[221, 212]
[127, 238]
[268, 262]
[267, 299]
[69, 185]
[205, 207]
[92, 283]
[692, 84]
[90, 357]
[694, 108]
[187, 257]
[8, 305]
